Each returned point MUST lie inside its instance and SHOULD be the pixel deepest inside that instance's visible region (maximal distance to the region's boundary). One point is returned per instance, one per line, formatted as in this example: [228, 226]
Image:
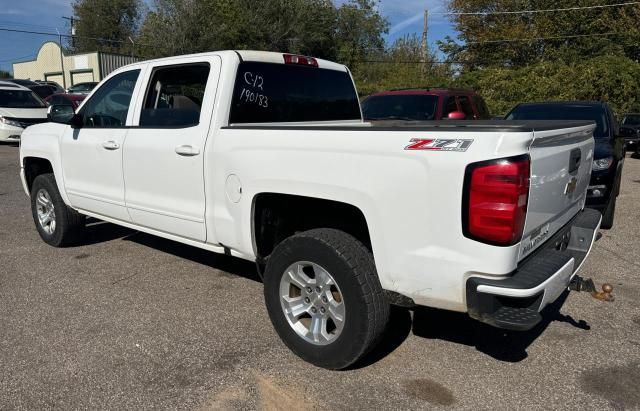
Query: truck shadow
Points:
[98, 231]
[227, 264]
[459, 328]
[427, 323]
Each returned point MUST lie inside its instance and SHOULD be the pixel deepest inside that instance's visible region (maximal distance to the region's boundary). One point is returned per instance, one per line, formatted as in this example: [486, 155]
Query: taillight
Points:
[495, 200]
[301, 60]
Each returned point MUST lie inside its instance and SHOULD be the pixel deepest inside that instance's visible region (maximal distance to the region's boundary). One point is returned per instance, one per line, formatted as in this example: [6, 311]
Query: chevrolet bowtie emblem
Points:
[571, 186]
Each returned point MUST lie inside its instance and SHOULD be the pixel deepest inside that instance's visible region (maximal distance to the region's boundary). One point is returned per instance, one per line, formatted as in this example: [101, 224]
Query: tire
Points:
[66, 226]
[354, 291]
[609, 214]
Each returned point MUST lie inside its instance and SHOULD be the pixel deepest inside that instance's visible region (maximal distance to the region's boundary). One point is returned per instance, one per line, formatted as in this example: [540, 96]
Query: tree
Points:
[592, 31]
[5, 74]
[296, 26]
[186, 26]
[585, 54]
[105, 25]
[359, 31]
[604, 78]
[403, 65]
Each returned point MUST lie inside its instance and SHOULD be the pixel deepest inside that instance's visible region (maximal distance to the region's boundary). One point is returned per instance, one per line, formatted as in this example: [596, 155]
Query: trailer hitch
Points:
[581, 284]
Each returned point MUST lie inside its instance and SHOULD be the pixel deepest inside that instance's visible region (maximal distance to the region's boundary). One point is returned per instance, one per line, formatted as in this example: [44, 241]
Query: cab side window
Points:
[449, 106]
[109, 105]
[483, 110]
[174, 97]
[465, 105]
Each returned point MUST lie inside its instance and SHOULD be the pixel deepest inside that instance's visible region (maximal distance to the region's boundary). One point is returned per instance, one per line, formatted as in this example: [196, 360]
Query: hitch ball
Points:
[586, 284]
[605, 294]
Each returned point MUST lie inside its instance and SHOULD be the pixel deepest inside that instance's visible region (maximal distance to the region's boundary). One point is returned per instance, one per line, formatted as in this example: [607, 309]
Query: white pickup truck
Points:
[265, 157]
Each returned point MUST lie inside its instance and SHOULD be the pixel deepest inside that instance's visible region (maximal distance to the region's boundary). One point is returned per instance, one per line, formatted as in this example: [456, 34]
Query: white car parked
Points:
[19, 108]
[265, 156]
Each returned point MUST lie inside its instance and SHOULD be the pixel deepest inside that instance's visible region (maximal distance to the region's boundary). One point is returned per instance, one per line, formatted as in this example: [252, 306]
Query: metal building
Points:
[51, 63]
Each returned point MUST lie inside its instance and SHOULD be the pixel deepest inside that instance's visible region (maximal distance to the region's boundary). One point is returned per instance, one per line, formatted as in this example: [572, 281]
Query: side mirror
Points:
[59, 113]
[76, 121]
[457, 115]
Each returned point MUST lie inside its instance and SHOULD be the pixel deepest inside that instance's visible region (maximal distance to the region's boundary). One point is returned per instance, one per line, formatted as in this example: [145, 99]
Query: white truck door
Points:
[92, 154]
[164, 152]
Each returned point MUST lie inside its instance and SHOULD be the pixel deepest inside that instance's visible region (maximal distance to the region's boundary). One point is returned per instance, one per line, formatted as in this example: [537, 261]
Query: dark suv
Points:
[608, 156]
[424, 105]
[630, 130]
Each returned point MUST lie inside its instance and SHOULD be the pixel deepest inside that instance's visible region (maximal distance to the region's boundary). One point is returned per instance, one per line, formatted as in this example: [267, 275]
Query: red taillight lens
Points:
[496, 195]
[301, 60]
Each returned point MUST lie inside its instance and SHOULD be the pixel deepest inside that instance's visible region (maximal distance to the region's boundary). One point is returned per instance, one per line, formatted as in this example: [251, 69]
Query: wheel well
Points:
[278, 216]
[33, 167]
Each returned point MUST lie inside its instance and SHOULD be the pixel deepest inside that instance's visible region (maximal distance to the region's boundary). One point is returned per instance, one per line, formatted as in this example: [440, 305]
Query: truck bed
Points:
[440, 125]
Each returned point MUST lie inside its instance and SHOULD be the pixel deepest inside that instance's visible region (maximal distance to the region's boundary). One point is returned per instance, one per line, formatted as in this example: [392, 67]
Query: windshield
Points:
[400, 107]
[563, 112]
[20, 99]
[82, 87]
[633, 120]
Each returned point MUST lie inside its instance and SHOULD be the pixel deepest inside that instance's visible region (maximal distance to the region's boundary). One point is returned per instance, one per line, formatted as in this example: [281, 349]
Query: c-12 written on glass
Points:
[252, 93]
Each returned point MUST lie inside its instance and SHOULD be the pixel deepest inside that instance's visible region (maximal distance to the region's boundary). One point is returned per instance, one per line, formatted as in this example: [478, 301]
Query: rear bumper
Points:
[515, 301]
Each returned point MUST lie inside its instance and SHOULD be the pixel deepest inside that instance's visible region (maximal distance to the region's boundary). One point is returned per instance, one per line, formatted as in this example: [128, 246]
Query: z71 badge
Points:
[439, 144]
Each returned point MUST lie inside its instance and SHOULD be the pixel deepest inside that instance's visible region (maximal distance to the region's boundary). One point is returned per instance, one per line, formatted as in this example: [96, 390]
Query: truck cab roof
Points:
[8, 85]
[437, 91]
[250, 55]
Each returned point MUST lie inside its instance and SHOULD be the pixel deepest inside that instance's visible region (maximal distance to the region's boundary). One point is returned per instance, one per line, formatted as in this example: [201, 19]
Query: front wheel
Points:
[324, 297]
[57, 224]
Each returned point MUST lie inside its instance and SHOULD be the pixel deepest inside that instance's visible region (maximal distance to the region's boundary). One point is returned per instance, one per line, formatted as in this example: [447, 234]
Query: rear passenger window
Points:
[174, 97]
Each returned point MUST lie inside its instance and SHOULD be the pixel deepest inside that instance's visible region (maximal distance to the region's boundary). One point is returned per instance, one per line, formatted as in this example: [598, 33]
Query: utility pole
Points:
[64, 81]
[424, 45]
[72, 21]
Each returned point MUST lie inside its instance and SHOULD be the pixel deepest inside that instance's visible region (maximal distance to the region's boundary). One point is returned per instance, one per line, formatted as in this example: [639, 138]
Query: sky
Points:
[405, 17]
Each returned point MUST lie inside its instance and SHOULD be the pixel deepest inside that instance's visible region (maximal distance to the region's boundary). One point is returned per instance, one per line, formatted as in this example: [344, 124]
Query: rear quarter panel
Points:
[411, 199]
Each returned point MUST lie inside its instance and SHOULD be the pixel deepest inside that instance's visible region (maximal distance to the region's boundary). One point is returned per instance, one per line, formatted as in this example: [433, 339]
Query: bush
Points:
[614, 79]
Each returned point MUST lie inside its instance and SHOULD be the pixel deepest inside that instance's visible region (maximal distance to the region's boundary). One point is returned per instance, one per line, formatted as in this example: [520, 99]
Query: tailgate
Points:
[560, 172]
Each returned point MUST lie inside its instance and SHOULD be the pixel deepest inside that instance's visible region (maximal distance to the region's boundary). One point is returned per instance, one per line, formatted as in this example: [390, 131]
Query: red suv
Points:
[425, 104]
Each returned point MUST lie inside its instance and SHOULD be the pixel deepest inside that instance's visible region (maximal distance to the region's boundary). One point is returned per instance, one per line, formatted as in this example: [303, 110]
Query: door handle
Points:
[187, 151]
[111, 145]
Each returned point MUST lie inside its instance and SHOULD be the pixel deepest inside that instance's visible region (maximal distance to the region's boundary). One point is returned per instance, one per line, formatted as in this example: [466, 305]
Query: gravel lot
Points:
[129, 321]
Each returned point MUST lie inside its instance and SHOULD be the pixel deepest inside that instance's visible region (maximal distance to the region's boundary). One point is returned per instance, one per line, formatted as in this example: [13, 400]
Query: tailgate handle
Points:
[574, 160]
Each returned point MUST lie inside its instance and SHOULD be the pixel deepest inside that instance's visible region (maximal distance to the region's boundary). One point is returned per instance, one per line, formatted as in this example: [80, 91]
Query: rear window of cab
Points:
[282, 93]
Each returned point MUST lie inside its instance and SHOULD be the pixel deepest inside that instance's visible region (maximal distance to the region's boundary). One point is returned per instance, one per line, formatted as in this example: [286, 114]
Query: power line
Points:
[17, 58]
[548, 38]
[70, 36]
[569, 36]
[487, 13]
[26, 25]
[428, 62]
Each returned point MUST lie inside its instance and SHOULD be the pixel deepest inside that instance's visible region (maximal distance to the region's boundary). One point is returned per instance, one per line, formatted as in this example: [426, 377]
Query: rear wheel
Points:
[324, 298]
[57, 224]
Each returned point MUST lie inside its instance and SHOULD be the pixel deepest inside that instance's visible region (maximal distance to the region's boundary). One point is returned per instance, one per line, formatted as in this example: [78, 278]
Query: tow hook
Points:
[581, 284]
